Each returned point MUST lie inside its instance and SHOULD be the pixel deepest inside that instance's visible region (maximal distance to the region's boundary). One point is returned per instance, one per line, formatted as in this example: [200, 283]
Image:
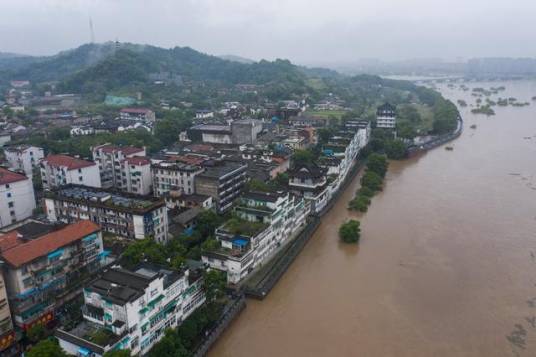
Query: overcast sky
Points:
[305, 31]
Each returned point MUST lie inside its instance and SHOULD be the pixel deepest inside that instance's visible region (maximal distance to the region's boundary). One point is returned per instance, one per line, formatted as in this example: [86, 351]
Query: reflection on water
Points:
[445, 266]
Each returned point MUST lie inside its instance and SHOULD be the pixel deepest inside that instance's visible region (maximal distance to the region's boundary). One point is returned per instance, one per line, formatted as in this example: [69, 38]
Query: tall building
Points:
[110, 160]
[125, 215]
[131, 309]
[17, 200]
[386, 116]
[42, 267]
[174, 177]
[223, 181]
[7, 332]
[270, 220]
[61, 170]
[24, 158]
[136, 175]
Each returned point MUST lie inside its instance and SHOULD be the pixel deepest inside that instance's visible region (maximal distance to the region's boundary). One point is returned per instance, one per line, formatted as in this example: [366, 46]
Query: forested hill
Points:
[97, 70]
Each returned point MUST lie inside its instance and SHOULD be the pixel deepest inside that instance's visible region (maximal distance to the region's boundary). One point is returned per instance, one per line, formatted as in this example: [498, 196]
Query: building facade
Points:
[41, 271]
[170, 177]
[386, 116]
[7, 332]
[269, 221]
[223, 181]
[143, 114]
[136, 176]
[17, 199]
[120, 214]
[61, 170]
[132, 309]
[24, 158]
[110, 161]
[310, 182]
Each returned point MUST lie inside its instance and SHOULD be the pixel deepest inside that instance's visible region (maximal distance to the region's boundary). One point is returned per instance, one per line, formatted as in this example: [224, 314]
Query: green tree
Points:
[303, 157]
[395, 149]
[372, 180]
[257, 185]
[377, 163]
[46, 348]
[350, 231]
[170, 345]
[36, 332]
[214, 283]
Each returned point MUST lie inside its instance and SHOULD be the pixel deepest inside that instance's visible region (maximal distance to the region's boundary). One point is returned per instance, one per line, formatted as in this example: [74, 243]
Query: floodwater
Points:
[445, 266]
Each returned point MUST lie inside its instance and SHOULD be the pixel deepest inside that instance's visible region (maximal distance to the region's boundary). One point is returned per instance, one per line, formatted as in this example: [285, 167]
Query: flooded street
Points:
[445, 266]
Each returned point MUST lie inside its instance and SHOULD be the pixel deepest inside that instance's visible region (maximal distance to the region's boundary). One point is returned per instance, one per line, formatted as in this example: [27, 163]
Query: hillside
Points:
[96, 70]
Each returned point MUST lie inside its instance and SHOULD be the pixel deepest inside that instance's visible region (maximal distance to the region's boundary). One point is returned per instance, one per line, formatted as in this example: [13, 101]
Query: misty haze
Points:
[267, 178]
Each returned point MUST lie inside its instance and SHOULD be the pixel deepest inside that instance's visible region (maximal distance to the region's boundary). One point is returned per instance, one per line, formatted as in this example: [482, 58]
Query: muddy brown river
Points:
[445, 266]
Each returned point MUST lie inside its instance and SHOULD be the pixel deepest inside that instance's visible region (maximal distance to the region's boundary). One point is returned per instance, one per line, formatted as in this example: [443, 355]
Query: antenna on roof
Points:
[91, 32]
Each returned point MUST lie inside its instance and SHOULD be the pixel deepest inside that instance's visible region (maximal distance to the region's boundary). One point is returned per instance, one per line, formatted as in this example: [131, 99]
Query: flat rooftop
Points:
[105, 197]
[221, 169]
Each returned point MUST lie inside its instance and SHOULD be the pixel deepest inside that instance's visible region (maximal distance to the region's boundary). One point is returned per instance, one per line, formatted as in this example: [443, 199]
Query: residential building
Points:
[131, 309]
[60, 170]
[386, 116]
[110, 158]
[137, 114]
[204, 114]
[245, 131]
[267, 222]
[125, 215]
[5, 137]
[223, 181]
[174, 177]
[310, 182]
[211, 133]
[17, 200]
[42, 271]
[136, 175]
[7, 332]
[24, 158]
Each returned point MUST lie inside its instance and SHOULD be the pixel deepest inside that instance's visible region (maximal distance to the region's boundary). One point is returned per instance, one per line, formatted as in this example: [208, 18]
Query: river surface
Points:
[445, 266]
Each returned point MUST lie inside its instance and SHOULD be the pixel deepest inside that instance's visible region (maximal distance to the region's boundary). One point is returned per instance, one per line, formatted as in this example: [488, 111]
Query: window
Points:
[9, 195]
[12, 213]
[11, 204]
[7, 185]
[80, 178]
[79, 171]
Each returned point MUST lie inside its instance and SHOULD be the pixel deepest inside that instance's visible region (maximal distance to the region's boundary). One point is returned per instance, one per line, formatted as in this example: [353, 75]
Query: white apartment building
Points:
[124, 215]
[310, 182]
[17, 200]
[110, 158]
[174, 177]
[386, 116]
[61, 170]
[132, 309]
[143, 114]
[136, 175]
[270, 220]
[24, 158]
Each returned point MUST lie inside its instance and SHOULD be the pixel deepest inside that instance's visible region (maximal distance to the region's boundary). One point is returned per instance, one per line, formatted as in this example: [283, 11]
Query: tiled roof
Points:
[126, 150]
[7, 176]
[137, 160]
[25, 252]
[72, 163]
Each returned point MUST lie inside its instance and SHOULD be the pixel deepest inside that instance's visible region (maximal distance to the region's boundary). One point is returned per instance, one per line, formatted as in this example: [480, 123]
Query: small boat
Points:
[473, 126]
[449, 148]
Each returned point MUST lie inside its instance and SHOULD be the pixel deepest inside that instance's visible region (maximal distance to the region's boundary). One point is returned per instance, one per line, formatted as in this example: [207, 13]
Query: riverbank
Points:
[437, 141]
